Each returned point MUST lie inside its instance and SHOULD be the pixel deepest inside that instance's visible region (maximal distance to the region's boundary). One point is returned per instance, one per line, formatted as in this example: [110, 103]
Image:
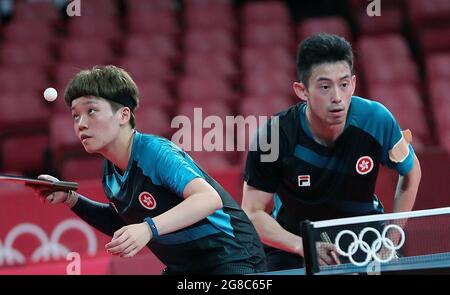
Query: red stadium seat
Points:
[63, 140]
[18, 156]
[438, 66]
[152, 46]
[86, 50]
[208, 108]
[82, 167]
[153, 93]
[210, 40]
[210, 19]
[357, 4]
[440, 104]
[444, 139]
[386, 59]
[226, 5]
[23, 111]
[195, 88]
[153, 120]
[391, 20]
[12, 77]
[435, 39]
[160, 22]
[390, 72]
[439, 90]
[30, 31]
[267, 59]
[211, 63]
[332, 25]
[99, 8]
[428, 13]
[277, 82]
[389, 46]
[209, 15]
[37, 11]
[264, 106]
[262, 35]
[139, 6]
[19, 53]
[406, 105]
[106, 28]
[265, 12]
[148, 68]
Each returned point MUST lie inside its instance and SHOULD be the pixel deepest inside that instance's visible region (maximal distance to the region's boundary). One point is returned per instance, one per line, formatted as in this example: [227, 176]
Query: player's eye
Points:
[325, 87]
[344, 85]
[75, 117]
[91, 111]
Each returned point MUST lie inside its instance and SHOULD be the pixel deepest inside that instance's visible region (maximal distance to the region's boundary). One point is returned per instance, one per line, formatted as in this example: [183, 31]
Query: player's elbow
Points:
[216, 201]
[251, 211]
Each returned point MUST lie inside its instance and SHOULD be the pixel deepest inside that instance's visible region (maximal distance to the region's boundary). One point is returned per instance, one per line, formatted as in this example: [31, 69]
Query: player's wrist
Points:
[298, 248]
[152, 227]
[71, 199]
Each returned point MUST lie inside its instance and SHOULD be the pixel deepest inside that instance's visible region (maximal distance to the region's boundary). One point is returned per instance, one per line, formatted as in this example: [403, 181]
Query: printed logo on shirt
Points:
[304, 180]
[364, 165]
[147, 200]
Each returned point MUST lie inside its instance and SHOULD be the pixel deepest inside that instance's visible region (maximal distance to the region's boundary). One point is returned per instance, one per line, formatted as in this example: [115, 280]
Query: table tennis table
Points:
[438, 263]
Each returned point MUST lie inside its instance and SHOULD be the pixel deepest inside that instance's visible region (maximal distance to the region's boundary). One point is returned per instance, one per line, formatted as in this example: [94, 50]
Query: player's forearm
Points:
[272, 234]
[407, 187]
[191, 210]
[98, 215]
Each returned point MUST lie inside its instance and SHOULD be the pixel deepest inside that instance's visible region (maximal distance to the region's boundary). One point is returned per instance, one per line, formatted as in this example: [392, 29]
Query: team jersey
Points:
[316, 182]
[153, 183]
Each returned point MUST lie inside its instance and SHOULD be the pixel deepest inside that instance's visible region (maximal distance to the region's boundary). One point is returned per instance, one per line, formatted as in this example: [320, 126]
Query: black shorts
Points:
[280, 260]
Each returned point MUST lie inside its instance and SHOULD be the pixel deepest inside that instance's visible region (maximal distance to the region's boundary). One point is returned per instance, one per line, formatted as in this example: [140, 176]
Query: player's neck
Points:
[119, 152]
[323, 134]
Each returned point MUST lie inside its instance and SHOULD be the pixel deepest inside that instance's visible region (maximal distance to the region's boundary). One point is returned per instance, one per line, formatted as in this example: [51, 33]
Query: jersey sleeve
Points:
[174, 169]
[99, 215]
[398, 153]
[263, 164]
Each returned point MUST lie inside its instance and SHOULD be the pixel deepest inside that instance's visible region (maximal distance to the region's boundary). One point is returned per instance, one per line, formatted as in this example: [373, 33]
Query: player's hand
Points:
[45, 195]
[327, 254]
[129, 240]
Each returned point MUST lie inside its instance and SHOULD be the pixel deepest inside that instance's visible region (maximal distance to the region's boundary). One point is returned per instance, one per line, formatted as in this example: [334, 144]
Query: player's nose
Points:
[336, 96]
[82, 123]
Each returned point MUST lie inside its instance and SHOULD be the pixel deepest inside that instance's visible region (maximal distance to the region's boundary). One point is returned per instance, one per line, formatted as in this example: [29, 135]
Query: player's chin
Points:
[90, 149]
[336, 121]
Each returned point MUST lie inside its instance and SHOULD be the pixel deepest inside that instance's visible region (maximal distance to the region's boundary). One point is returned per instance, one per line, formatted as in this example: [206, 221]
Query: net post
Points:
[309, 248]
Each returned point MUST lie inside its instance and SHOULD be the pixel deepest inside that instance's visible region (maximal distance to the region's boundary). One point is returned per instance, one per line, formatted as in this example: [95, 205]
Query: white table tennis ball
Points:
[50, 94]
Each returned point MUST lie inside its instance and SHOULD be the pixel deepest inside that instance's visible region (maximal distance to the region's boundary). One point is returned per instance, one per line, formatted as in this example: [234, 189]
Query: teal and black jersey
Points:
[153, 183]
[316, 182]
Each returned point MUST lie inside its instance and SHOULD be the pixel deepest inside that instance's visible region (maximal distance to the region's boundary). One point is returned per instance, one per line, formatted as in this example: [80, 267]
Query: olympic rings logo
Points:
[50, 246]
[382, 240]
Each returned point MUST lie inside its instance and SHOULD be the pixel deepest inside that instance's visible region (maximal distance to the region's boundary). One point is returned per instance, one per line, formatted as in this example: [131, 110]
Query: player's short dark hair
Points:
[319, 49]
[109, 82]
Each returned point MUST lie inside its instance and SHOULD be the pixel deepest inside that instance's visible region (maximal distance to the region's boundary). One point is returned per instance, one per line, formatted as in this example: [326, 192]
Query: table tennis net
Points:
[372, 243]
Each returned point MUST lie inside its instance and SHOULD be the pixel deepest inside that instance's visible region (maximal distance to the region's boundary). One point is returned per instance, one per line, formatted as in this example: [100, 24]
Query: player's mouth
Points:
[84, 137]
[337, 111]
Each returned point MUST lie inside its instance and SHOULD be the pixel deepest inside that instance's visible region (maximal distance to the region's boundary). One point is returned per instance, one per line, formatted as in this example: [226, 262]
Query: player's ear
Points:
[300, 90]
[124, 115]
[353, 83]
